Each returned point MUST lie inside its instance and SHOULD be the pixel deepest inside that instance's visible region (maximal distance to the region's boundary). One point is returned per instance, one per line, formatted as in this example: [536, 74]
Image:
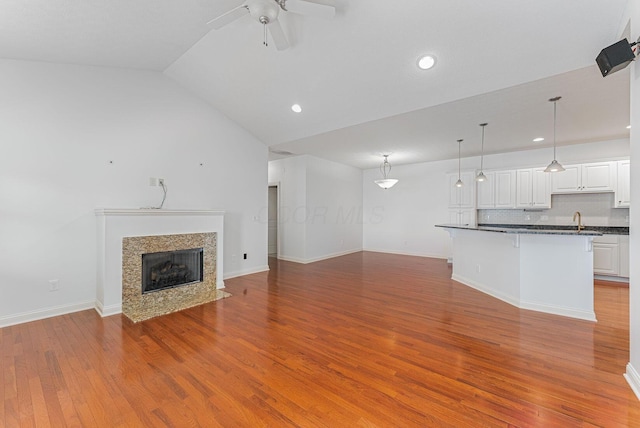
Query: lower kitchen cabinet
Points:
[611, 255]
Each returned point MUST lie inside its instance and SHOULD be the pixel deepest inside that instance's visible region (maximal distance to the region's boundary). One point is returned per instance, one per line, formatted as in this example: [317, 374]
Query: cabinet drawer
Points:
[606, 239]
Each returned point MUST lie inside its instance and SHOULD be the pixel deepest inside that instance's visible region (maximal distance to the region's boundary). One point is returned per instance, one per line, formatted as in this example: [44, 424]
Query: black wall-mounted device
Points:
[615, 57]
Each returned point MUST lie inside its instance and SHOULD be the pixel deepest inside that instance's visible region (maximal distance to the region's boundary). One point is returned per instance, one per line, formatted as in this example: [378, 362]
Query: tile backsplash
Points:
[596, 209]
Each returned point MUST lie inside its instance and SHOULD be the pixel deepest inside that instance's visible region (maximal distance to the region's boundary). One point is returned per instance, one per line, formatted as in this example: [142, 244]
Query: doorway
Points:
[272, 222]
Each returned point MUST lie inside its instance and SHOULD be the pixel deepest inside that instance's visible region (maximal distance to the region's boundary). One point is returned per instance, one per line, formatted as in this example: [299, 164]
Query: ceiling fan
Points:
[266, 13]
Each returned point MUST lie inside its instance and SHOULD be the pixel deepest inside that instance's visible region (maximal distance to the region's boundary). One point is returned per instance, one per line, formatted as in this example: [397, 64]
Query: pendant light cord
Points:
[482, 148]
[555, 113]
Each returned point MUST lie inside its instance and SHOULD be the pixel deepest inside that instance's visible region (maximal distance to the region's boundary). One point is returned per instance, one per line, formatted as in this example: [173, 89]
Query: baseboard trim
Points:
[633, 379]
[318, 259]
[41, 314]
[407, 253]
[236, 274]
[477, 286]
[105, 311]
[559, 310]
[531, 306]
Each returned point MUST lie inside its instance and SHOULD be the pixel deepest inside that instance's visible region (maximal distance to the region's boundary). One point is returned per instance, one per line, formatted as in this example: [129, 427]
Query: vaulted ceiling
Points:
[355, 75]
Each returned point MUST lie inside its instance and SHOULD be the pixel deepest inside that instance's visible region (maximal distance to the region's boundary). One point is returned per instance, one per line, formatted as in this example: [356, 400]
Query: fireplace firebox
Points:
[171, 269]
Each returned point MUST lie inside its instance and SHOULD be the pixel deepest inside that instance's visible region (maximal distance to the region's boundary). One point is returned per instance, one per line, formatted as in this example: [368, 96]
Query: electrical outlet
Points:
[54, 285]
[245, 256]
[477, 268]
[160, 181]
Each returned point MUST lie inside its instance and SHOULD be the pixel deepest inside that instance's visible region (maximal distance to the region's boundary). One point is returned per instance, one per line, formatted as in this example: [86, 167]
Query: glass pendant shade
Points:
[385, 182]
[554, 166]
[459, 183]
[481, 177]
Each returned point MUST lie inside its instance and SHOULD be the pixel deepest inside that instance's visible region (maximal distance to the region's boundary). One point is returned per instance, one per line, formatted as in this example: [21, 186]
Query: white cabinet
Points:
[606, 255]
[462, 197]
[611, 255]
[588, 177]
[462, 217]
[505, 189]
[486, 191]
[533, 188]
[623, 185]
[499, 191]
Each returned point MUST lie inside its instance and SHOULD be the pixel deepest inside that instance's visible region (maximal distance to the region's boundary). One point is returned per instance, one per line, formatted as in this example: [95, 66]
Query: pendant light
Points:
[385, 168]
[459, 183]
[481, 177]
[554, 166]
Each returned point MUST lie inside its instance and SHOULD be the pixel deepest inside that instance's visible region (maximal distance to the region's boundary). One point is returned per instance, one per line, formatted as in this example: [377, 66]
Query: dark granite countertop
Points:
[513, 229]
[605, 230]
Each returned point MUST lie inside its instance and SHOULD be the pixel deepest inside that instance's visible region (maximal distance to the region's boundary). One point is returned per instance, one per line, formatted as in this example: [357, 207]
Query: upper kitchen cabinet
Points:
[499, 191]
[486, 191]
[462, 197]
[533, 188]
[623, 186]
[588, 177]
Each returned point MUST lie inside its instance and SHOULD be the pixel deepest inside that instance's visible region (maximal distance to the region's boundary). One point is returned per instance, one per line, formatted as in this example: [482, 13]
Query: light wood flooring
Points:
[368, 340]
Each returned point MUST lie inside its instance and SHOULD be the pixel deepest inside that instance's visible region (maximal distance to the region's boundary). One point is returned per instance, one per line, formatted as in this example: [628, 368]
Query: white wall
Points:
[76, 138]
[633, 14]
[320, 208]
[401, 219]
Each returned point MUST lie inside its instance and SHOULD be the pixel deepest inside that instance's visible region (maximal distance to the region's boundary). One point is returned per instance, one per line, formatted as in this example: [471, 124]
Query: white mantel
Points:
[113, 224]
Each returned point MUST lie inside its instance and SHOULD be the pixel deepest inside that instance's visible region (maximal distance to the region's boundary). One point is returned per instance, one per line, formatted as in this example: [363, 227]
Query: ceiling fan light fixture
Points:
[296, 108]
[426, 62]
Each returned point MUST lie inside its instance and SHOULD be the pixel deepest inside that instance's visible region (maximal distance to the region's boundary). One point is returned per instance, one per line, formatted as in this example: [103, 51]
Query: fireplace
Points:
[162, 274]
[169, 269]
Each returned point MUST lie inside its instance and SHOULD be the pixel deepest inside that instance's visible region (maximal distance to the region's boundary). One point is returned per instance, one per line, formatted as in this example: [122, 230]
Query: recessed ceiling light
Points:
[538, 139]
[629, 127]
[426, 62]
[296, 108]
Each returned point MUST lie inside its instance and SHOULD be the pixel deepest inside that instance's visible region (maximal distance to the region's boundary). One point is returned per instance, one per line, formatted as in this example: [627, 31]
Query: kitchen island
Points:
[542, 270]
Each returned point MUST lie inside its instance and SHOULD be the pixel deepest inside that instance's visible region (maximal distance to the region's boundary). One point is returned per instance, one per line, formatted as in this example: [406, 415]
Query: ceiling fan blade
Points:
[229, 17]
[277, 34]
[304, 7]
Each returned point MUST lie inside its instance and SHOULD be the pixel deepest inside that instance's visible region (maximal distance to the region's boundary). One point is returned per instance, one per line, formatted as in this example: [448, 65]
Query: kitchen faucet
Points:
[580, 225]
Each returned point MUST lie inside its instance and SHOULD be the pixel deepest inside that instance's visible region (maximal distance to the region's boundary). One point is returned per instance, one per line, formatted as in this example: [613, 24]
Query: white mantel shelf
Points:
[114, 224]
[152, 211]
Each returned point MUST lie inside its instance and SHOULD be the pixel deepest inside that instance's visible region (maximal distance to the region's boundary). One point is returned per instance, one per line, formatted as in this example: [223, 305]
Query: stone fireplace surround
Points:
[113, 225]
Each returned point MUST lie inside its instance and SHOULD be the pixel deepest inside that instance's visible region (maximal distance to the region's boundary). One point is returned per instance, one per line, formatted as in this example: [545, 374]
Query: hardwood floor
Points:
[362, 340]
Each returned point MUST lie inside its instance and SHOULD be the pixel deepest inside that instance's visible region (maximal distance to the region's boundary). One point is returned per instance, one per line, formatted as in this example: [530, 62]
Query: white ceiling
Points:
[355, 76]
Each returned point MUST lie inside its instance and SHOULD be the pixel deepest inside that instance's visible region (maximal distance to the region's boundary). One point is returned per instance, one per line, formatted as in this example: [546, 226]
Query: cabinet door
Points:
[462, 197]
[505, 189]
[524, 178]
[462, 217]
[598, 177]
[485, 191]
[623, 188]
[567, 181]
[541, 189]
[605, 259]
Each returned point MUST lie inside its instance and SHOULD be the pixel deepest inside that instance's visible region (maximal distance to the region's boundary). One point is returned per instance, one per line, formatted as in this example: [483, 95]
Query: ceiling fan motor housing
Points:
[261, 9]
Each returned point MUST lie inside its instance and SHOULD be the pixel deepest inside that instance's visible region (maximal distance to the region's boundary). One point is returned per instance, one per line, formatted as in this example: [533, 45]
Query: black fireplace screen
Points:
[171, 269]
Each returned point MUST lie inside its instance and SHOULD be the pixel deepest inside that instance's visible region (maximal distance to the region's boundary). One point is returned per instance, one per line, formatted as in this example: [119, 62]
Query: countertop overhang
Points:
[523, 231]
